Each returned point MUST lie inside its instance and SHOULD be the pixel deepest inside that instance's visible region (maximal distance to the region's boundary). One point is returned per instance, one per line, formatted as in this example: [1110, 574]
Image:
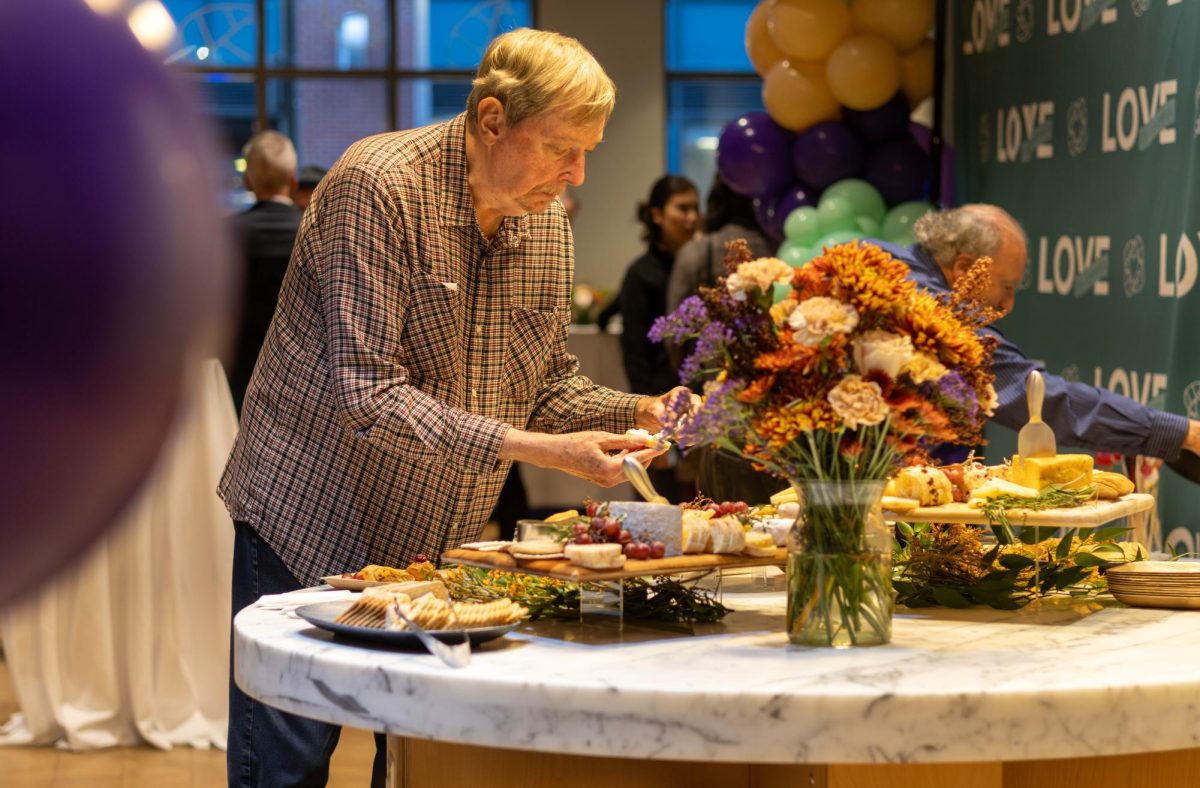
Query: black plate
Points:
[322, 614]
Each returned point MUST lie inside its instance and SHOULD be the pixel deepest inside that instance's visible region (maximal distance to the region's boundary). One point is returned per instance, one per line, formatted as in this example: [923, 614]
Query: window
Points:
[329, 72]
[709, 80]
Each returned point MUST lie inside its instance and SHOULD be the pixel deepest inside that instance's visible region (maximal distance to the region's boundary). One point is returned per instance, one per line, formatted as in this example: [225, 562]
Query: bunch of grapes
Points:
[727, 508]
[598, 528]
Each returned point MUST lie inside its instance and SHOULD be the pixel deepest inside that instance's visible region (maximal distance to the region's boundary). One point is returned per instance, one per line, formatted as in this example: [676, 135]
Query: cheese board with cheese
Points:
[1086, 515]
[564, 570]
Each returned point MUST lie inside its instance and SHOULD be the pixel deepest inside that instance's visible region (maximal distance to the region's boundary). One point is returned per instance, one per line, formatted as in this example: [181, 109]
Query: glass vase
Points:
[839, 570]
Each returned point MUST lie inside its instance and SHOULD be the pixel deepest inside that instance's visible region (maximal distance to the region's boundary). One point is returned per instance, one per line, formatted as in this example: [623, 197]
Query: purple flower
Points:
[953, 389]
[718, 417]
[685, 322]
[710, 347]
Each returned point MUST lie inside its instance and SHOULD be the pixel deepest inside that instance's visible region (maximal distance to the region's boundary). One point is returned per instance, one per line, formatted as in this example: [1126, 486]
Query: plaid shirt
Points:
[404, 345]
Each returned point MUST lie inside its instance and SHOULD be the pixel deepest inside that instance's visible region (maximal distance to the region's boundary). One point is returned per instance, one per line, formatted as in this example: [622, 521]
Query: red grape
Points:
[624, 537]
[657, 549]
[643, 551]
[583, 538]
[591, 509]
[613, 529]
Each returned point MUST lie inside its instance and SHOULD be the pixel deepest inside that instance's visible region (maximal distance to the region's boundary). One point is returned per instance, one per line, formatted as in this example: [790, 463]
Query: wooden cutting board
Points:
[565, 570]
[1088, 515]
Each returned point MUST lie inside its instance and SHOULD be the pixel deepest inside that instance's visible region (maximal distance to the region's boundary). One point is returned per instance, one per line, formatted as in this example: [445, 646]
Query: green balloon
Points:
[836, 213]
[863, 196]
[802, 225]
[795, 254]
[901, 239]
[868, 227]
[899, 221]
[837, 237]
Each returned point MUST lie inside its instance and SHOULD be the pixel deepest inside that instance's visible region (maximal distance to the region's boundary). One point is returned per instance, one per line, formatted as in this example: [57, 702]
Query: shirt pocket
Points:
[531, 336]
[429, 342]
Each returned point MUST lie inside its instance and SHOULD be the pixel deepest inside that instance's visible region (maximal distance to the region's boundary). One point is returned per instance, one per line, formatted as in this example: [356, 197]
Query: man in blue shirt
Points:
[947, 244]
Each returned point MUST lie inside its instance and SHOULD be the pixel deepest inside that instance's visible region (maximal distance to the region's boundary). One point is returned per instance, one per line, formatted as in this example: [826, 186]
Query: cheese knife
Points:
[1036, 439]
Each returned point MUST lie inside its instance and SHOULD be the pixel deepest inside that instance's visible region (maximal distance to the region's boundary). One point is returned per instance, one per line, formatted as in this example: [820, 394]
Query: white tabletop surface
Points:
[1065, 680]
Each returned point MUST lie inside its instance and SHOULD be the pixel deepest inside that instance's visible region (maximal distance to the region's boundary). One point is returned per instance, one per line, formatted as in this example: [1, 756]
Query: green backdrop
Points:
[1083, 120]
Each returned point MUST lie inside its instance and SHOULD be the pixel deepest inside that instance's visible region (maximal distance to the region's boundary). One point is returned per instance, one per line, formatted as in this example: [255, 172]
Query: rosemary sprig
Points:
[1051, 497]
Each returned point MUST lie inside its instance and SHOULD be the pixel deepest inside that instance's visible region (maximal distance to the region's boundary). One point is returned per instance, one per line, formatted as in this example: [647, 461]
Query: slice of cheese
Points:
[759, 543]
[785, 496]
[1070, 471]
[998, 487]
[595, 556]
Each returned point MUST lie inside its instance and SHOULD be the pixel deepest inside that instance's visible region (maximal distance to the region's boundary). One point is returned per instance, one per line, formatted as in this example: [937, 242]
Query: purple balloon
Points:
[773, 212]
[827, 153]
[899, 169]
[923, 136]
[886, 122]
[764, 213]
[115, 263]
[752, 155]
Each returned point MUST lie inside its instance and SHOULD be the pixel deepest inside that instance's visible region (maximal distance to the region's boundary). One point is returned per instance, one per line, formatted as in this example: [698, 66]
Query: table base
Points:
[417, 763]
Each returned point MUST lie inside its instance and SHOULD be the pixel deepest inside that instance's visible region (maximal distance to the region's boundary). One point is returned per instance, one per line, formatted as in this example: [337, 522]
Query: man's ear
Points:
[960, 266]
[490, 122]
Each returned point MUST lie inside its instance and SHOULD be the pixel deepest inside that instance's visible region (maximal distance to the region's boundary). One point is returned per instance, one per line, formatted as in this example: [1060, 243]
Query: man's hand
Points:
[650, 410]
[595, 456]
[1192, 441]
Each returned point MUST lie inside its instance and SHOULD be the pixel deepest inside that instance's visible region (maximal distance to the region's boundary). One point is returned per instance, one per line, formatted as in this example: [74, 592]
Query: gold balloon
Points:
[916, 73]
[864, 71]
[759, 46]
[808, 29]
[903, 22]
[796, 96]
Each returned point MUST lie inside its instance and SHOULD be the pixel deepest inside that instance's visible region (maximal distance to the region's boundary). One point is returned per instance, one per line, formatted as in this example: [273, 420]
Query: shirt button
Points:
[474, 393]
[453, 526]
[478, 330]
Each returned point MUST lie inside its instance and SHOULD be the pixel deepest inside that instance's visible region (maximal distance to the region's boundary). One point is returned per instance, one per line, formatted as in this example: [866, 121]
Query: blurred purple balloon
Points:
[923, 136]
[827, 153]
[899, 169]
[772, 212]
[752, 155]
[115, 264]
[883, 123]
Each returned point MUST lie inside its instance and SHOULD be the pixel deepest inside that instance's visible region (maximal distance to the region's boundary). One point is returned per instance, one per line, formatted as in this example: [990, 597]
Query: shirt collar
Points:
[456, 206]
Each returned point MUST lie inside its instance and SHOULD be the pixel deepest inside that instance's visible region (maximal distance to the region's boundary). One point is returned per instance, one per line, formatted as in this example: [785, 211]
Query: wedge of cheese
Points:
[595, 556]
[1070, 471]
[759, 543]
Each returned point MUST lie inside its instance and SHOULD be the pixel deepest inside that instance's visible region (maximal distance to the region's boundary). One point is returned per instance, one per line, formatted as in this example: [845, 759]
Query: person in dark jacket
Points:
[267, 232]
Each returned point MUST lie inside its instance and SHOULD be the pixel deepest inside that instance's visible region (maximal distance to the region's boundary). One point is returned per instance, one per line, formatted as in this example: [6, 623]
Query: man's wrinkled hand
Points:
[650, 410]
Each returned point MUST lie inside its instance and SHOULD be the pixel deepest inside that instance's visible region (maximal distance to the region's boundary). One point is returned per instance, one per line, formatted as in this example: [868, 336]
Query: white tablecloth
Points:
[131, 645]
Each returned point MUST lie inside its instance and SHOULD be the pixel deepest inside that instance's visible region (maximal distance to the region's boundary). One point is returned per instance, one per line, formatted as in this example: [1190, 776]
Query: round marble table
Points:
[1066, 680]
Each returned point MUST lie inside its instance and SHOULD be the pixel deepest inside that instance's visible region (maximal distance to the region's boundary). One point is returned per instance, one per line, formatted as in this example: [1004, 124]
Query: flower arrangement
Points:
[854, 371]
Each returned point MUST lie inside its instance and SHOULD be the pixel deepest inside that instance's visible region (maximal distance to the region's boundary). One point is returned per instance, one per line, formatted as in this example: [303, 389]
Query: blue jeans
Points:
[268, 747]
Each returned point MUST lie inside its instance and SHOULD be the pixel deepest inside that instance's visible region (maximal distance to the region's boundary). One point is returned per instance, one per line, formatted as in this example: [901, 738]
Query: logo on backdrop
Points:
[988, 27]
[1134, 266]
[1148, 388]
[1176, 272]
[1025, 132]
[1191, 399]
[1139, 116]
[1077, 126]
[1070, 372]
[1074, 264]
[1140, 6]
[1067, 16]
[1025, 20]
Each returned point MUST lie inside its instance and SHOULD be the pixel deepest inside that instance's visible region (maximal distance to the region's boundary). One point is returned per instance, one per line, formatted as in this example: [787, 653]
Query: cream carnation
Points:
[761, 273]
[859, 402]
[923, 368]
[882, 351]
[989, 401]
[819, 317]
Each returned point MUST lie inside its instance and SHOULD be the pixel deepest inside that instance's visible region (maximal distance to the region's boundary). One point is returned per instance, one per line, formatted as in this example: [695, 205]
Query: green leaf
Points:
[905, 529]
[1109, 550]
[1110, 532]
[1089, 560]
[948, 597]
[1064, 547]
[1070, 576]
[1028, 535]
[1016, 561]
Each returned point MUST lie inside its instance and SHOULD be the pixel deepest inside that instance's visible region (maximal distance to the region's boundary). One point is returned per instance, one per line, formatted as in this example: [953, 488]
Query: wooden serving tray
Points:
[1088, 515]
[562, 569]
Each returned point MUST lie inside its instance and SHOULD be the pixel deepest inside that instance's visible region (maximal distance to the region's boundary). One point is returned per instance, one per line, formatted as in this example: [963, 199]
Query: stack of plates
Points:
[1173, 584]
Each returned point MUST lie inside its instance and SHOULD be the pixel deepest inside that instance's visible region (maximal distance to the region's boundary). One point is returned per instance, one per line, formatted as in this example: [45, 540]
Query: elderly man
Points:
[418, 349]
[947, 244]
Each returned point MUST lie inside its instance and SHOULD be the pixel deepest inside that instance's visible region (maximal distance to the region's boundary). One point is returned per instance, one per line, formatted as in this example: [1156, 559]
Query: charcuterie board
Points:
[1088, 515]
[564, 570]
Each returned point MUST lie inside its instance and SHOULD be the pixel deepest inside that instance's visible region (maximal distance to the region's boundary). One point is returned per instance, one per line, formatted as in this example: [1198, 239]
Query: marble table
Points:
[958, 698]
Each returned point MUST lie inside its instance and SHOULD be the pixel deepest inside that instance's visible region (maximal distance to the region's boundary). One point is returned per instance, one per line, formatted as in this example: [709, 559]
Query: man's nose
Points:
[573, 174]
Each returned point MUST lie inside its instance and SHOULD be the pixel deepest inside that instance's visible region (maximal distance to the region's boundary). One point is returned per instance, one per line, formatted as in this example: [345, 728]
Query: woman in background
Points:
[670, 218]
[727, 217]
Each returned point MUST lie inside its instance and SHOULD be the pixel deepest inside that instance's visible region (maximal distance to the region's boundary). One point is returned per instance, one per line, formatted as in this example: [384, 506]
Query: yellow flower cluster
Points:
[780, 426]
